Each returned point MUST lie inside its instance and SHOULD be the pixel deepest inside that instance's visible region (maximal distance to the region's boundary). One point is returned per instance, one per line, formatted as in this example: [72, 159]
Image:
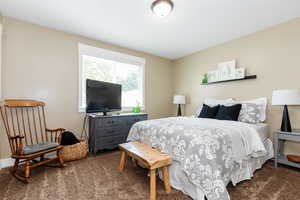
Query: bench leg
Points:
[153, 184]
[122, 161]
[166, 179]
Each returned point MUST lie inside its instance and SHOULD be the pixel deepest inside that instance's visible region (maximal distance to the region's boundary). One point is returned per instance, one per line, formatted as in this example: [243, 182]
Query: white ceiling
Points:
[192, 26]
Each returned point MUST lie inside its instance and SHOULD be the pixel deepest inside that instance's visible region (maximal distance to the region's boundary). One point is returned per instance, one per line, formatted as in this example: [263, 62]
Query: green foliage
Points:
[95, 72]
[130, 83]
[106, 71]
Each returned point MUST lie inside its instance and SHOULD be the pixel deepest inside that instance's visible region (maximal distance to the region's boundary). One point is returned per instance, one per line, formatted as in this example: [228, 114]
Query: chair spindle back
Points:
[25, 118]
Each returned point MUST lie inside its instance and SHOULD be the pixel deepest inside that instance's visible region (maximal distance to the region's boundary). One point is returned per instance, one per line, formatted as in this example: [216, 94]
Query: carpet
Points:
[98, 178]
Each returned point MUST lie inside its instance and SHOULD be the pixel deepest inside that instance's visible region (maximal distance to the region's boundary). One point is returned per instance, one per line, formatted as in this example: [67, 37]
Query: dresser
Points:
[106, 132]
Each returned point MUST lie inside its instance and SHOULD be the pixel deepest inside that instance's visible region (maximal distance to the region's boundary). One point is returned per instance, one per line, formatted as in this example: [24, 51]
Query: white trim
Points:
[110, 55]
[97, 52]
[1, 34]
[7, 162]
[144, 86]
[80, 109]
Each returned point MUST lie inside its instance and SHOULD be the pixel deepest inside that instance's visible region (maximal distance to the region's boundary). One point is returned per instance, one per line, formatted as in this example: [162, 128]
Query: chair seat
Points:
[30, 149]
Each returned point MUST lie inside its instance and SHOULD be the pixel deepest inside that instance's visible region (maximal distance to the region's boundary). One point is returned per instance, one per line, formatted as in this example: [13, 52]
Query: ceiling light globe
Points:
[162, 8]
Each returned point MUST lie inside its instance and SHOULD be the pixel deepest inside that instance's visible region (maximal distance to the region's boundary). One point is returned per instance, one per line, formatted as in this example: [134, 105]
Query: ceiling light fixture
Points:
[162, 8]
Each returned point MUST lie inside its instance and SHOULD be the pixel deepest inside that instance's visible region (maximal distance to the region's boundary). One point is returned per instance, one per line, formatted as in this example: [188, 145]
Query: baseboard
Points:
[7, 162]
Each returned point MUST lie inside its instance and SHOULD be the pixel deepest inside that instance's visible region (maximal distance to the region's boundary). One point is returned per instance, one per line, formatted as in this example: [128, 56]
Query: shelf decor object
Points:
[226, 70]
[286, 98]
[180, 100]
[205, 80]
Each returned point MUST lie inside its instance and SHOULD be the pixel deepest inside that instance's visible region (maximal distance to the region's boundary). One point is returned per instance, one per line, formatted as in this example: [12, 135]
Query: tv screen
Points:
[102, 96]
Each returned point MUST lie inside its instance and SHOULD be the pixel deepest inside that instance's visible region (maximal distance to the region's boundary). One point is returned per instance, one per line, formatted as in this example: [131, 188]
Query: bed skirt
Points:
[180, 181]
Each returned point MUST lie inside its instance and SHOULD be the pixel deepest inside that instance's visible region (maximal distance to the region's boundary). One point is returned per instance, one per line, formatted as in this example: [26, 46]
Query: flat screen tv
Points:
[102, 96]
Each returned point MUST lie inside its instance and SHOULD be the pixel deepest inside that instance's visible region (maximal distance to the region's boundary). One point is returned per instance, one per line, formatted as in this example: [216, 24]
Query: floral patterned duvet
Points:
[208, 150]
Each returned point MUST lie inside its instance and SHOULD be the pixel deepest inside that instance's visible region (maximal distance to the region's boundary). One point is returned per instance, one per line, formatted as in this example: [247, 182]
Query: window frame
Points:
[87, 50]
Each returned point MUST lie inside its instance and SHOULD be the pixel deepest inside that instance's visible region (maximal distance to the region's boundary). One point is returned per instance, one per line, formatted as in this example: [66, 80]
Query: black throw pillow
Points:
[209, 112]
[68, 138]
[229, 112]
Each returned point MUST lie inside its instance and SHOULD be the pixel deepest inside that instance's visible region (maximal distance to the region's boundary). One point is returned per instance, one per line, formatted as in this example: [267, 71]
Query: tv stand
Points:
[107, 131]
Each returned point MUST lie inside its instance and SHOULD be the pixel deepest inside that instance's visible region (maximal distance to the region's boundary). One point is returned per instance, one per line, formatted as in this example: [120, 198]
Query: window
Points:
[103, 65]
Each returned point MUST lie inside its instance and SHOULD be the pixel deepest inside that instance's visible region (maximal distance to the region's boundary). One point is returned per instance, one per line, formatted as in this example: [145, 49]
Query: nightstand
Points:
[279, 138]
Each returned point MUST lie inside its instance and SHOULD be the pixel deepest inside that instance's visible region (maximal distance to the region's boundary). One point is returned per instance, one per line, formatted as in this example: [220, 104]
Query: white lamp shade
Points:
[179, 99]
[286, 97]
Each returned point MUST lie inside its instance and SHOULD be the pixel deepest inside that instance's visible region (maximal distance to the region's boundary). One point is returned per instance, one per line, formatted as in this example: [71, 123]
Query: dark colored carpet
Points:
[98, 178]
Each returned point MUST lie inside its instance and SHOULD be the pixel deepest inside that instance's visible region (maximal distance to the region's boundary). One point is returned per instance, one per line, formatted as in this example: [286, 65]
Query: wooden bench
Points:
[149, 158]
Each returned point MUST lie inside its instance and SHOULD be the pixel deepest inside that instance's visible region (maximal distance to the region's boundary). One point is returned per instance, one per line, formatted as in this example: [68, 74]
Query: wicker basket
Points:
[74, 152]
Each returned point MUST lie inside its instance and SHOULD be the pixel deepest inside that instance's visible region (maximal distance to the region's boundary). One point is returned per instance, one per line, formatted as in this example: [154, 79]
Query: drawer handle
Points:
[112, 131]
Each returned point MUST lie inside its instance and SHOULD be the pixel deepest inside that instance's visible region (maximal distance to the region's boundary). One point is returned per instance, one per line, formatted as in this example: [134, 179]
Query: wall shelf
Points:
[240, 79]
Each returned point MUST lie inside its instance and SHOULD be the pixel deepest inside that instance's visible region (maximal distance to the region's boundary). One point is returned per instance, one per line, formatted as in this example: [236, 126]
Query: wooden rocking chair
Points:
[28, 136]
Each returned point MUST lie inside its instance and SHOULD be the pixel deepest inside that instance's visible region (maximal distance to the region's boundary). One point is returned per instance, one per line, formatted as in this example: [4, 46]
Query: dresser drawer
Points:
[111, 140]
[111, 131]
[109, 122]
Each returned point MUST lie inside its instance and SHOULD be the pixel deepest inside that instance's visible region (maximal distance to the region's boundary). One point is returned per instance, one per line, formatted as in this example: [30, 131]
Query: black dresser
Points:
[106, 132]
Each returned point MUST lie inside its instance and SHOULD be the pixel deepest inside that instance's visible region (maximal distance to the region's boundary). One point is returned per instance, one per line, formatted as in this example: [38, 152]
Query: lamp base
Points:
[286, 124]
[179, 110]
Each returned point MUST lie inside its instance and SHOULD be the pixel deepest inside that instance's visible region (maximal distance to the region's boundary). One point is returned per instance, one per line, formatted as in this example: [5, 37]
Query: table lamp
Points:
[180, 100]
[286, 98]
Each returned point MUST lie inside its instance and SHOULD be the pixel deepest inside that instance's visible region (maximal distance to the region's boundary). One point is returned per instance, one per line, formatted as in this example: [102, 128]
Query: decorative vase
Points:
[137, 108]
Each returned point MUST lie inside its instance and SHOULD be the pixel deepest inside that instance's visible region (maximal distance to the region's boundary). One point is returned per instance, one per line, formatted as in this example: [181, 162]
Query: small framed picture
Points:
[240, 73]
[227, 69]
[213, 76]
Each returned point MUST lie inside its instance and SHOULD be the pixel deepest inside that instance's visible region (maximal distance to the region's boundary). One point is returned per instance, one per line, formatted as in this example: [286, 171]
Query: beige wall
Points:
[273, 55]
[43, 63]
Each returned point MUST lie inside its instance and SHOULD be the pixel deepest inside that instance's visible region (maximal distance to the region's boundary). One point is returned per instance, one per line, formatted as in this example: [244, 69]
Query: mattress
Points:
[262, 129]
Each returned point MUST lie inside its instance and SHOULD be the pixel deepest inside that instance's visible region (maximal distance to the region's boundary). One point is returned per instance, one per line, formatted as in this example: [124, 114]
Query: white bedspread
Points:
[207, 150]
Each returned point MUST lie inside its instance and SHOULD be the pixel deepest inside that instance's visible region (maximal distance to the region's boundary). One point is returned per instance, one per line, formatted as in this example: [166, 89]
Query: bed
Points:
[207, 153]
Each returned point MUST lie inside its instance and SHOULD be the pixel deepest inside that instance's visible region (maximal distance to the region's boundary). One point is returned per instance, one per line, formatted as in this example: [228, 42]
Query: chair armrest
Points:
[16, 143]
[57, 132]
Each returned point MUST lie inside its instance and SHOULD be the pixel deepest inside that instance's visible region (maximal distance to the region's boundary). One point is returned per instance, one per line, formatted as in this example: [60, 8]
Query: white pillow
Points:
[213, 102]
[253, 111]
